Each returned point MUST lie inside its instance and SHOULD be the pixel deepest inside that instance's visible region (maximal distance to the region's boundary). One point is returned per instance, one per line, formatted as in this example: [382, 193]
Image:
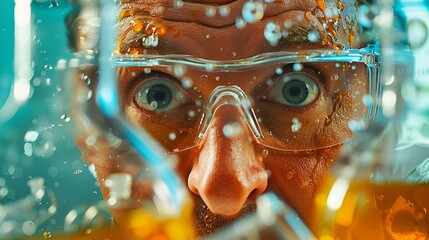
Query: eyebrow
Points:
[298, 39]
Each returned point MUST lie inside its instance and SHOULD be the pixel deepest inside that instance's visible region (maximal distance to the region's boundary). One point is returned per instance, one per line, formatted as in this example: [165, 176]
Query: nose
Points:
[227, 170]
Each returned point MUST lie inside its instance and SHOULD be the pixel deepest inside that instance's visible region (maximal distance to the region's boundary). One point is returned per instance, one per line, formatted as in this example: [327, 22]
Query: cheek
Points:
[296, 179]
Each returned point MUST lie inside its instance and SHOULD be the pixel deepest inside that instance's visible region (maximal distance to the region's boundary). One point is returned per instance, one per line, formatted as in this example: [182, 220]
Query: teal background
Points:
[60, 164]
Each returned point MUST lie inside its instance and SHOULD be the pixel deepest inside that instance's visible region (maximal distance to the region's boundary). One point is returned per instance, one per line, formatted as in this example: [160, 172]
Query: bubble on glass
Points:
[224, 11]
[172, 136]
[177, 4]
[367, 100]
[356, 125]
[287, 23]
[231, 129]
[210, 11]
[279, 71]
[204, 77]
[313, 36]
[296, 125]
[2, 182]
[331, 12]
[297, 67]
[52, 171]
[209, 67]
[191, 113]
[61, 64]
[54, 3]
[179, 70]
[187, 83]
[77, 171]
[272, 33]
[337, 65]
[39, 143]
[3, 192]
[240, 23]
[363, 16]
[29, 228]
[252, 11]
[353, 67]
[65, 118]
[37, 81]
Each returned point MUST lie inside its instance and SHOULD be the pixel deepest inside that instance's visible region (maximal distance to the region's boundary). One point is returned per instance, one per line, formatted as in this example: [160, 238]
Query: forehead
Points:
[224, 30]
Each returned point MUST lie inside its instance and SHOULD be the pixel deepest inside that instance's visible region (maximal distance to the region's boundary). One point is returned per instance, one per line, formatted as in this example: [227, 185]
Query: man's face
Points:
[229, 165]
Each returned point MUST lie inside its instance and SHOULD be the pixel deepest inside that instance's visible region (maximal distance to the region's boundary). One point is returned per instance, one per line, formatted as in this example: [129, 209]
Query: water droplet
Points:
[40, 143]
[224, 11]
[356, 125]
[179, 70]
[353, 67]
[297, 67]
[253, 11]
[240, 23]
[54, 3]
[272, 33]
[313, 36]
[279, 71]
[178, 4]
[153, 105]
[172, 136]
[210, 11]
[29, 228]
[232, 129]
[52, 171]
[363, 16]
[77, 171]
[191, 113]
[65, 117]
[217, 78]
[288, 23]
[209, 67]
[296, 125]
[337, 65]
[335, 77]
[380, 197]
[204, 77]
[187, 83]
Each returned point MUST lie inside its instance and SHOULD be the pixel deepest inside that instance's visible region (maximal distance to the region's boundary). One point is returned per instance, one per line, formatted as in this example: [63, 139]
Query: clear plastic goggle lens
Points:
[290, 102]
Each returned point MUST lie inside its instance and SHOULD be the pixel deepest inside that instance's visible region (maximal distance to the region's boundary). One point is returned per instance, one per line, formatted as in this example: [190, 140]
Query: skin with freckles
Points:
[225, 174]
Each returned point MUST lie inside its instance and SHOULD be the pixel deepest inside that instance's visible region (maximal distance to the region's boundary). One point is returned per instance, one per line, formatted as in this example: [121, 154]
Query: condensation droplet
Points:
[187, 83]
[204, 77]
[172, 136]
[279, 71]
[296, 125]
[240, 23]
[65, 117]
[224, 11]
[253, 11]
[337, 65]
[232, 129]
[210, 11]
[356, 125]
[313, 36]
[209, 67]
[29, 228]
[77, 171]
[297, 67]
[179, 70]
[272, 33]
[178, 4]
[191, 113]
[52, 171]
[334, 77]
[217, 78]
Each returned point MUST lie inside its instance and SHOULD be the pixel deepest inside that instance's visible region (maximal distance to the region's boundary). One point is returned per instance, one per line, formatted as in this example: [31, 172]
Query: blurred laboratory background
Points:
[36, 130]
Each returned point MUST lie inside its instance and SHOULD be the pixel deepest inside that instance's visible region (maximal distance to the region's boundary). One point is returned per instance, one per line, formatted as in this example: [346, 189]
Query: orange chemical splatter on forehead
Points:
[139, 27]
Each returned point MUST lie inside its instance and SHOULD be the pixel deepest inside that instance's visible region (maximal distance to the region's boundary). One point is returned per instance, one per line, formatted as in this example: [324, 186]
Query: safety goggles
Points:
[289, 101]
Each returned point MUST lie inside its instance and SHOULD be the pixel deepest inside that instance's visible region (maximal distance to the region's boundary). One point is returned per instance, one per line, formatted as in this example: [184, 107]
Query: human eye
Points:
[159, 94]
[294, 89]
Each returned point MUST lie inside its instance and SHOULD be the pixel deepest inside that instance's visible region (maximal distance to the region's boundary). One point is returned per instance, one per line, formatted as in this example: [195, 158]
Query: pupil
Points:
[160, 94]
[295, 91]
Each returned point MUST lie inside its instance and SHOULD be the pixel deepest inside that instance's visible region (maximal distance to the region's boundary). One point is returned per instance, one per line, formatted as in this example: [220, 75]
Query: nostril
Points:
[253, 195]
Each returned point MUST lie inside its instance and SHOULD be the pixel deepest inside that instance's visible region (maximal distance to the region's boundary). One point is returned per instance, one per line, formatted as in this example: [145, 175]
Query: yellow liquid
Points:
[139, 224]
[372, 211]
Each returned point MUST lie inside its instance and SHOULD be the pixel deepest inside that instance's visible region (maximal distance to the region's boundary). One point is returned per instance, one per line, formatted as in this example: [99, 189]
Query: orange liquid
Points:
[373, 211]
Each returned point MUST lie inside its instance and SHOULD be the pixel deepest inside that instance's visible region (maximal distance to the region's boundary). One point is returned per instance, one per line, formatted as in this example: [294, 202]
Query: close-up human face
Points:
[249, 96]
